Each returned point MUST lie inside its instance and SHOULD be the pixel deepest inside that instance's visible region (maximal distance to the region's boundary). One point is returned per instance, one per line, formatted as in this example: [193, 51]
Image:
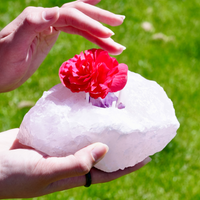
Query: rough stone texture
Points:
[63, 122]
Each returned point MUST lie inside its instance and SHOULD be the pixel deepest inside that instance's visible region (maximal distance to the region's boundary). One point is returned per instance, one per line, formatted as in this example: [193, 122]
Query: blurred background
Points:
[163, 44]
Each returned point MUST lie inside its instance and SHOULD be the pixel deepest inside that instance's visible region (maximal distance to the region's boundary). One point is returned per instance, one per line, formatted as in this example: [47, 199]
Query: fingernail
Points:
[111, 33]
[118, 49]
[122, 47]
[99, 151]
[122, 17]
[50, 13]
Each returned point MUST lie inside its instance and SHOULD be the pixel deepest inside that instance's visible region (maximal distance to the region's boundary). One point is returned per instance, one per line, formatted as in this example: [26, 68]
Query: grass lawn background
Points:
[174, 64]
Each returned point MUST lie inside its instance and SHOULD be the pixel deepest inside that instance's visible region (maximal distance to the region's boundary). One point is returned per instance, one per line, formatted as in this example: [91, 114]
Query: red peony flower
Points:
[95, 72]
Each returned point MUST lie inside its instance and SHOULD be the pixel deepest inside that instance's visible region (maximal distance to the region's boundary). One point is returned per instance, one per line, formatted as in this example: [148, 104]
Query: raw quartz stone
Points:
[63, 122]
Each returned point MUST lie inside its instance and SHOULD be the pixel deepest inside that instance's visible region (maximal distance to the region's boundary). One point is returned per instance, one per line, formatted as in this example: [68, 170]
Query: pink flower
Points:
[95, 72]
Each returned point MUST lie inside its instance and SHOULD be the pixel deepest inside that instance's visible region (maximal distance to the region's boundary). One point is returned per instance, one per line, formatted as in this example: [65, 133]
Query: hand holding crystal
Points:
[27, 173]
[26, 41]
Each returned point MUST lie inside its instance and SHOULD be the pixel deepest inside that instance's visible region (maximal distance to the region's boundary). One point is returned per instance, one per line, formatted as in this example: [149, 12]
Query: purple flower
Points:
[106, 102]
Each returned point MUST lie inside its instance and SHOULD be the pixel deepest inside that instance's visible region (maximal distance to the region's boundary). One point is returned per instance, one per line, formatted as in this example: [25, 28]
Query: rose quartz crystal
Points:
[63, 122]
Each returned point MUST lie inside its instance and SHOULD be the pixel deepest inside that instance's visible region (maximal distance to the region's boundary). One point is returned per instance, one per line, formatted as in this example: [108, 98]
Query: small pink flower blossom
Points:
[95, 72]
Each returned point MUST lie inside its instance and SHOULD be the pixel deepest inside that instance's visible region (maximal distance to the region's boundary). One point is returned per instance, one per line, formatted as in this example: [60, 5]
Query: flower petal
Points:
[120, 79]
[95, 72]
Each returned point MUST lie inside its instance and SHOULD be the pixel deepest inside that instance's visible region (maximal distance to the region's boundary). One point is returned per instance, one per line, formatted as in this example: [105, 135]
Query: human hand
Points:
[27, 173]
[25, 42]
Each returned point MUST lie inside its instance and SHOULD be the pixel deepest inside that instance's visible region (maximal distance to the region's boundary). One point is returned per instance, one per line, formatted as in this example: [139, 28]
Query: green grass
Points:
[174, 172]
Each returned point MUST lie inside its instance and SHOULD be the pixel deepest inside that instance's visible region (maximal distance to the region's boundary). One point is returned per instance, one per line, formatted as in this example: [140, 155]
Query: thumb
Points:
[39, 19]
[34, 20]
[75, 165]
[51, 14]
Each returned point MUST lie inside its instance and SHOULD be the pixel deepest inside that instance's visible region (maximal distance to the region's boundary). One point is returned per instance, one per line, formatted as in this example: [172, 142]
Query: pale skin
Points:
[24, 43]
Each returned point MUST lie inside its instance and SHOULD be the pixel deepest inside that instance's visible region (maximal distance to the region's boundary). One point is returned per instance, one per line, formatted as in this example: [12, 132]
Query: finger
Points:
[7, 139]
[74, 165]
[31, 22]
[65, 184]
[100, 177]
[75, 18]
[92, 2]
[101, 15]
[98, 14]
[105, 43]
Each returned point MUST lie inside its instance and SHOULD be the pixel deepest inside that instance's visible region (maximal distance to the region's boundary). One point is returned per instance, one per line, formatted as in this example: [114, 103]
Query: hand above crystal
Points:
[26, 41]
[27, 173]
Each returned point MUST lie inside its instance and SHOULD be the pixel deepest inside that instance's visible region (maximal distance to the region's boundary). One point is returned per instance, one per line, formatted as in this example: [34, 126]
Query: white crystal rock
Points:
[63, 122]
